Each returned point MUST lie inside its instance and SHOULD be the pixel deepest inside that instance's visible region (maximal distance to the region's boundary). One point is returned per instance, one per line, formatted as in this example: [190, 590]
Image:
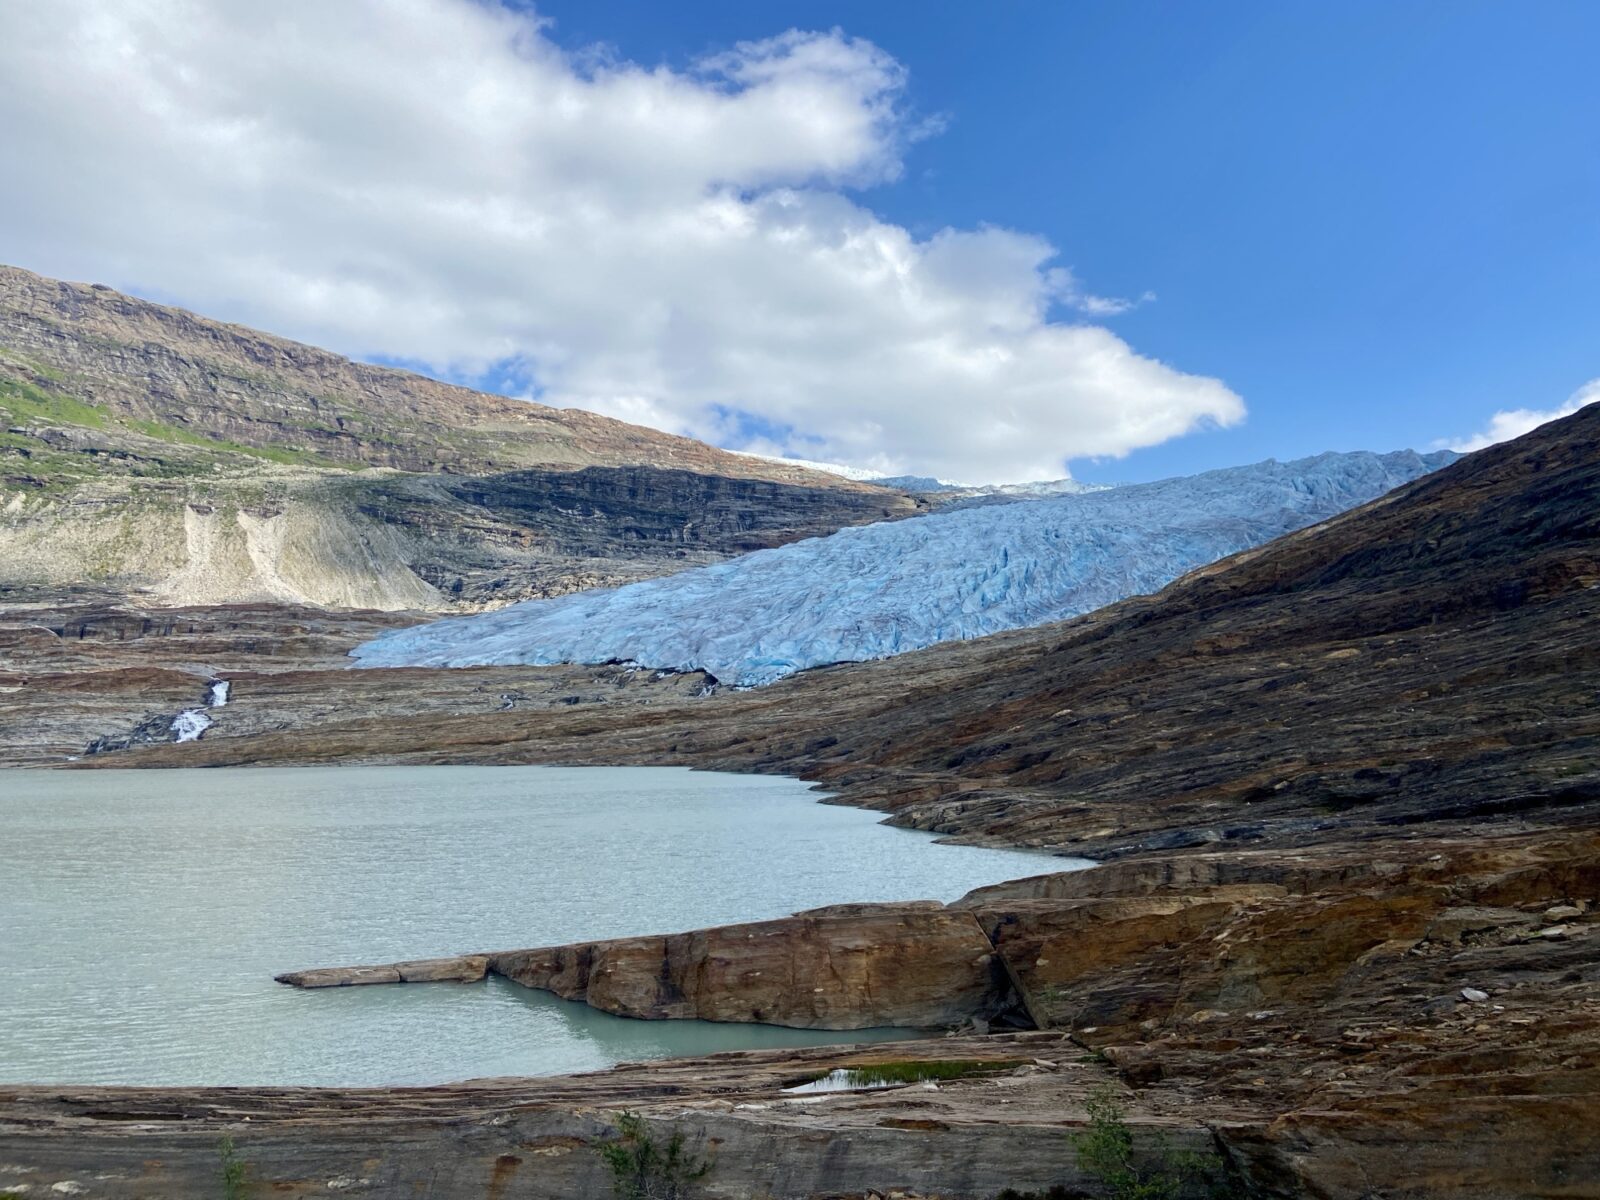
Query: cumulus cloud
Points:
[1514, 422]
[436, 181]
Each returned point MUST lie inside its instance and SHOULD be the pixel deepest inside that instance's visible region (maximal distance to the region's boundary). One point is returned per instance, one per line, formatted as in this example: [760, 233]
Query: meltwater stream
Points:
[144, 913]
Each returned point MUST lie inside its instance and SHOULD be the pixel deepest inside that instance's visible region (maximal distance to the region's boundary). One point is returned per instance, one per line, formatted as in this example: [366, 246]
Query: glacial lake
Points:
[143, 914]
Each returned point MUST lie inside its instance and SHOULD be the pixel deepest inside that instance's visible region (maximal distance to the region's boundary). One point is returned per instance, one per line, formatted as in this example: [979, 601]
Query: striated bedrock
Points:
[1128, 946]
[1420, 1020]
[185, 461]
[537, 1138]
[1112, 948]
[918, 969]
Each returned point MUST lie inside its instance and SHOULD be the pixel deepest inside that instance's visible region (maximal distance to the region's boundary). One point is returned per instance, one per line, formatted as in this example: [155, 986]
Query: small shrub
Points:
[642, 1169]
[1105, 1152]
[233, 1171]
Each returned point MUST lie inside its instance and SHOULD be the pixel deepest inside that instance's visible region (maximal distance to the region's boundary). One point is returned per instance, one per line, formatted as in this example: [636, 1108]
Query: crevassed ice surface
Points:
[879, 590]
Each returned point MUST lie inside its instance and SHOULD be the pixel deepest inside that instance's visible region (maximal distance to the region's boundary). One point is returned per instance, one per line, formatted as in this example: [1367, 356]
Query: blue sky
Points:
[898, 236]
[1377, 222]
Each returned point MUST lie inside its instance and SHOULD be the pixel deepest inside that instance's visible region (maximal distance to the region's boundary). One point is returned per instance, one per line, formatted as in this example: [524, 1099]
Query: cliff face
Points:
[168, 456]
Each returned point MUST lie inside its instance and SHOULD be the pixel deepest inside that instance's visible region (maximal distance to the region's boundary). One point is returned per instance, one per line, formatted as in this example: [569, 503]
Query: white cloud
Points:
[1514, 422]
[436, 181]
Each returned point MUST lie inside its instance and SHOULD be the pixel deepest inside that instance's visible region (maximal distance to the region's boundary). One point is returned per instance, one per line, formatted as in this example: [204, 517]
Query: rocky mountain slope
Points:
[882, 590]
[186, 461]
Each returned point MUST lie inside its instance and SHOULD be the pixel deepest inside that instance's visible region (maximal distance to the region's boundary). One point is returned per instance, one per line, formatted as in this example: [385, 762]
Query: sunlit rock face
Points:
[880, 590]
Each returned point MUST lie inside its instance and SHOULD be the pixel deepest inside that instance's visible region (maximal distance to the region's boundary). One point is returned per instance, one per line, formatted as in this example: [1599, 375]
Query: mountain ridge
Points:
[182, 460]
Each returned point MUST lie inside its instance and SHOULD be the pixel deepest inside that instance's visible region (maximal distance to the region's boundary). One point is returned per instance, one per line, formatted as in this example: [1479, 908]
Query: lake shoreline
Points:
[327, 862]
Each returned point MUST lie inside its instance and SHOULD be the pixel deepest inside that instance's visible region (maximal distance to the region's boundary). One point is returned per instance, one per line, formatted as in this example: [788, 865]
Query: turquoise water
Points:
[144, 913]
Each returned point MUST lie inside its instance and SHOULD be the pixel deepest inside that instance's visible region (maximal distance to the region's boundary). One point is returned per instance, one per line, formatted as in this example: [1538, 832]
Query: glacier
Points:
[874, 591]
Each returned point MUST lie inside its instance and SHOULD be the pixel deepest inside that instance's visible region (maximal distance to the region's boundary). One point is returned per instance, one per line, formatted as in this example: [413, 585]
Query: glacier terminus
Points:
[875, 591]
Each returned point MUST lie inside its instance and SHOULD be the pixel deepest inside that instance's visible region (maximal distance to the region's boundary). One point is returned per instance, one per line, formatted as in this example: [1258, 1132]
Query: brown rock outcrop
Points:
[461, 968]
[875, 965]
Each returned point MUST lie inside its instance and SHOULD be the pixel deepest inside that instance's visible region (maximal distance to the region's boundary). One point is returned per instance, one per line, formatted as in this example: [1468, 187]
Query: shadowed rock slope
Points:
[149, 449]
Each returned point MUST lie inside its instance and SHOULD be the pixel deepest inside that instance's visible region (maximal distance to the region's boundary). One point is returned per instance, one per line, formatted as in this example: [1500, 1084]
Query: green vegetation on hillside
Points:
[1105, 1152]
[25, 407]
[26, 402]
[234, 1172]
[286, 456]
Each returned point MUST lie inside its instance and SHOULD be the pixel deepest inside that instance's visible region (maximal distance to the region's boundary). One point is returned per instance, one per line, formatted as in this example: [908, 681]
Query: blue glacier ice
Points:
[880, 590]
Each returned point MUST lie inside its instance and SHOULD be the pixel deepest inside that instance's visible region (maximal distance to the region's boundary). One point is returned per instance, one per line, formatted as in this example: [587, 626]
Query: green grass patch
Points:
[26, 402]
[283, 455]
[43, 469]
[42, 370]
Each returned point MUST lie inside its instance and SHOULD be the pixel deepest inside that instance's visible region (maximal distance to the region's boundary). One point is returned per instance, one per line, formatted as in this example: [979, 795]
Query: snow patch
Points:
[842, 1079]
[856, 473]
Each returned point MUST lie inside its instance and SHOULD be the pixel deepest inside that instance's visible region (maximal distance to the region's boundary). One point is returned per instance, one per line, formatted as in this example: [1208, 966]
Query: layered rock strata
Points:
[498, 1139]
